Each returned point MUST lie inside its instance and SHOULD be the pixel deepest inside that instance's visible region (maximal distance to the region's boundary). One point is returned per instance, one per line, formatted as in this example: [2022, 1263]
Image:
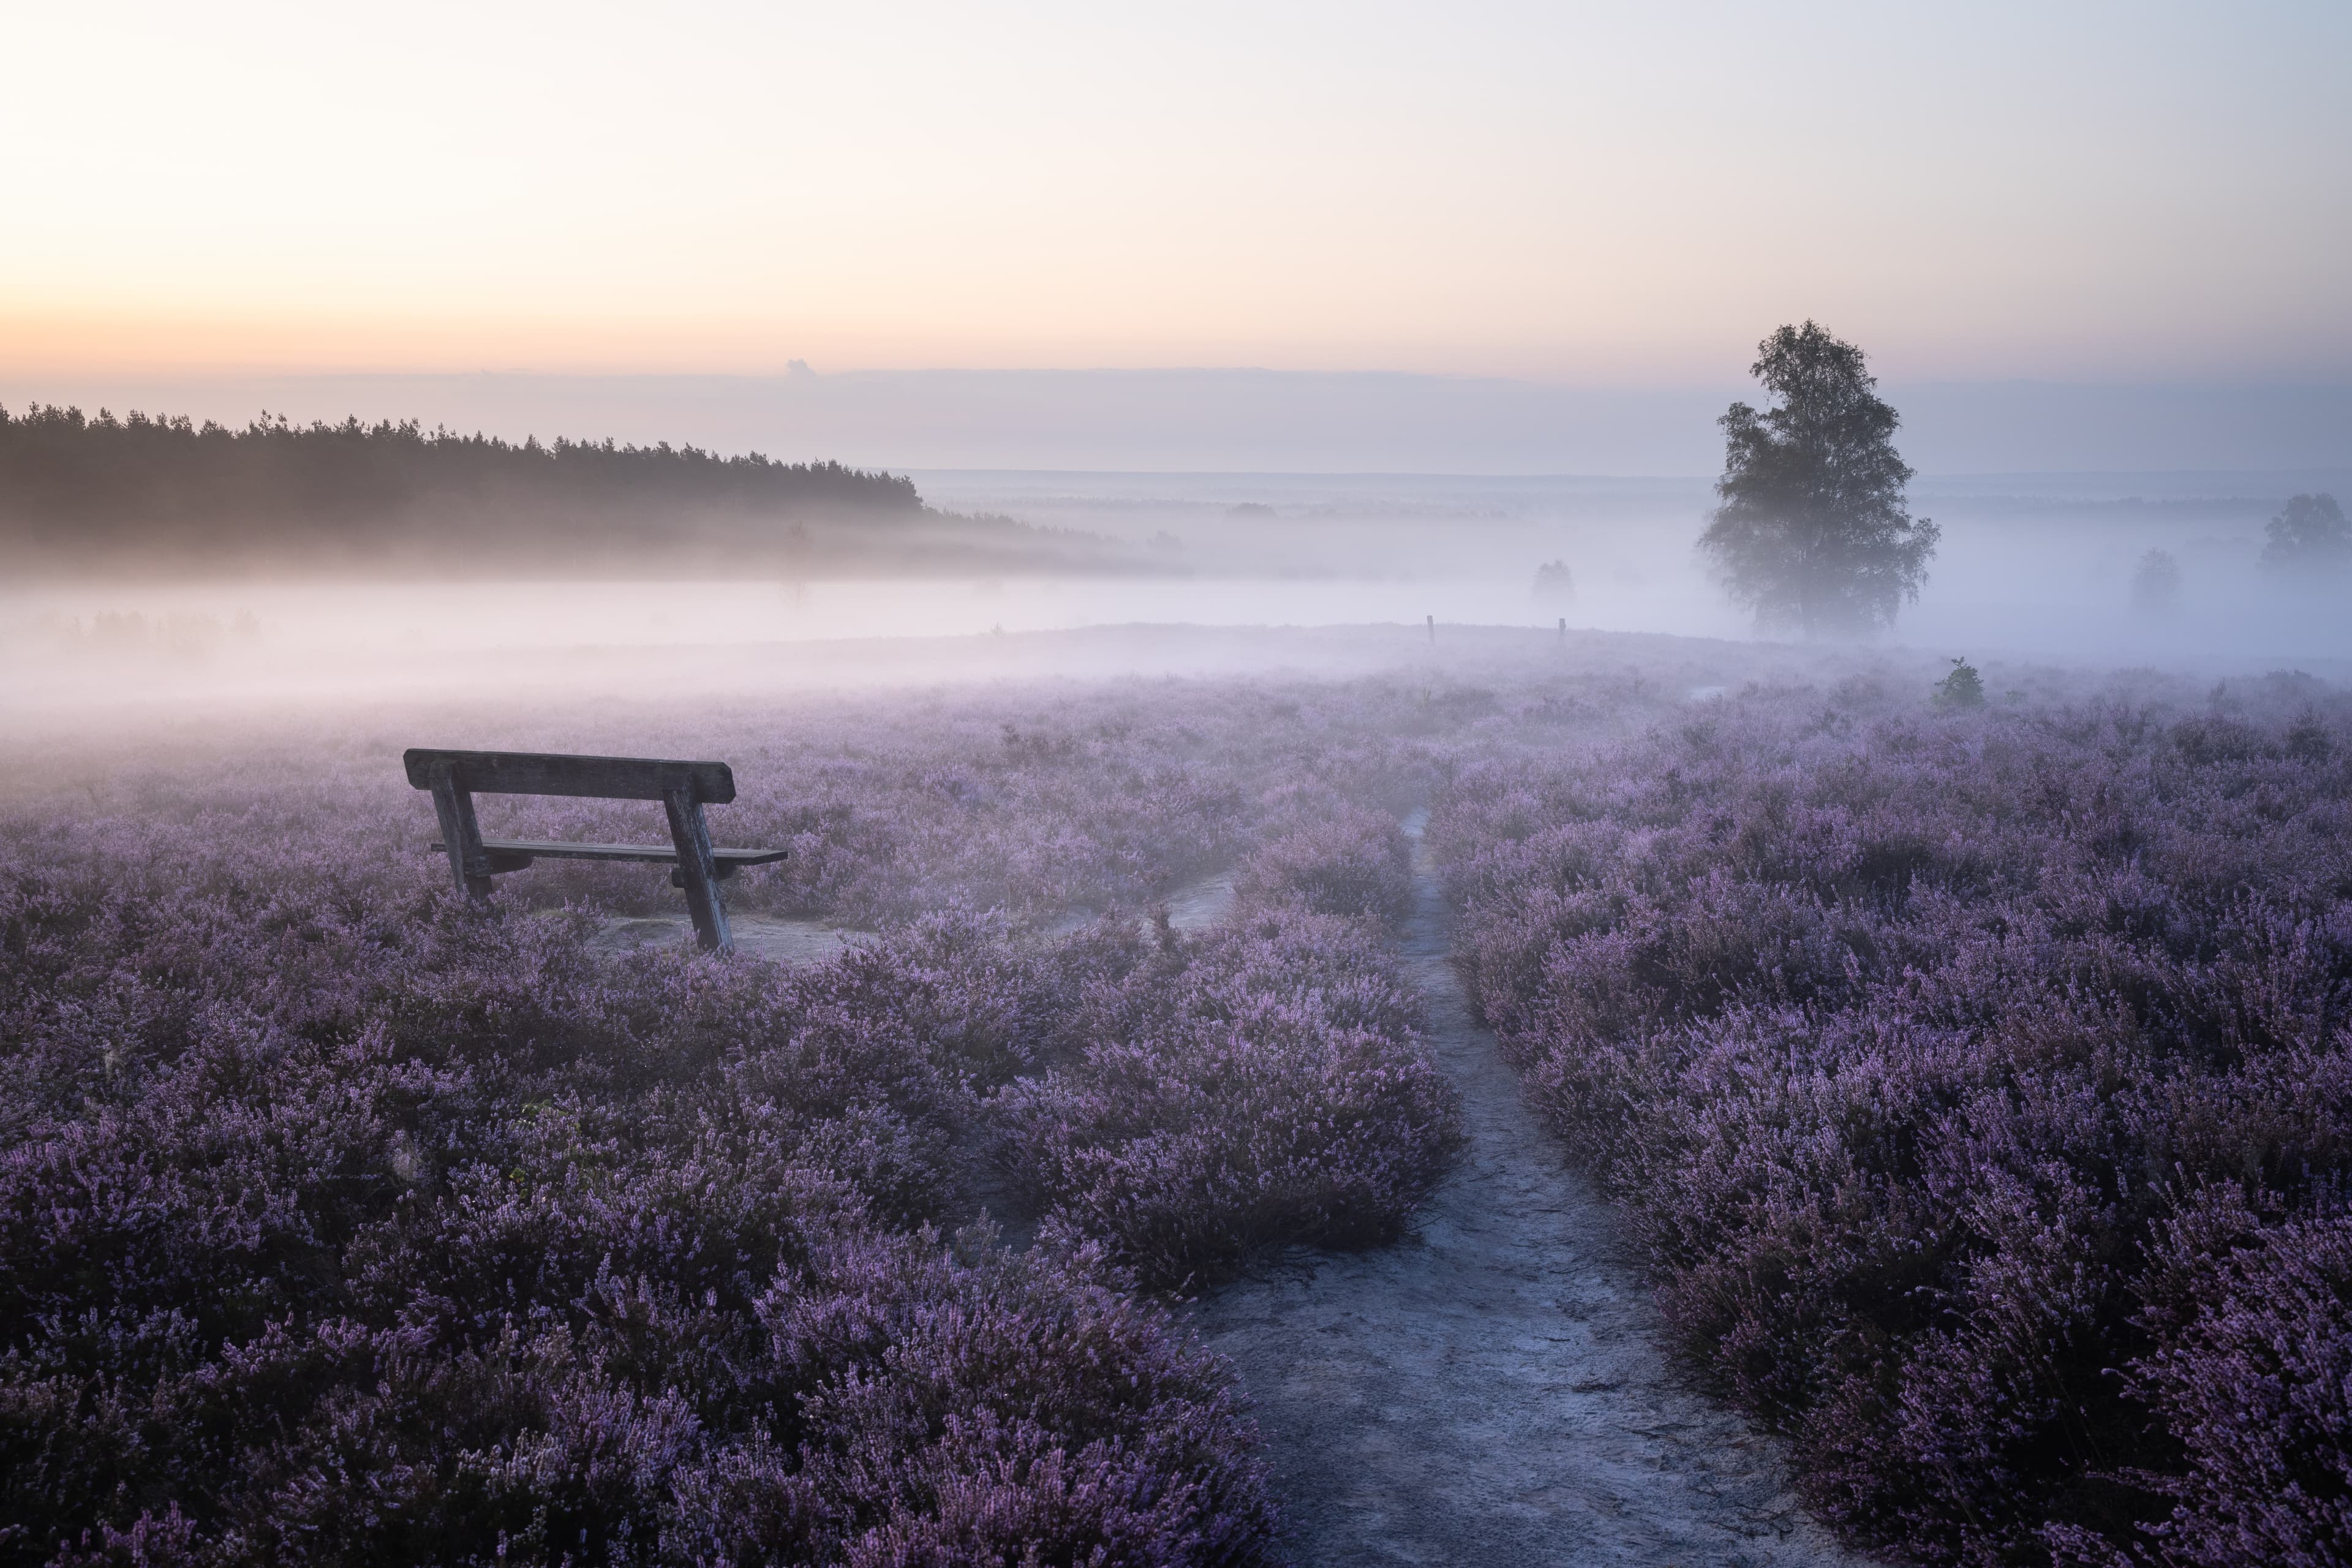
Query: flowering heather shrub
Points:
[2255, 1382]
[1036, 801]
[1981, 1088]
[1227, 1095]
[1331, 856]
[887, 818]
[877, 1401]
[344, 1221]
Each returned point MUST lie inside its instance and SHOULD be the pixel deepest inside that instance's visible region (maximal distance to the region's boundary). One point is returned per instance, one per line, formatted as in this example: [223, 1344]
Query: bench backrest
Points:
[545, 773]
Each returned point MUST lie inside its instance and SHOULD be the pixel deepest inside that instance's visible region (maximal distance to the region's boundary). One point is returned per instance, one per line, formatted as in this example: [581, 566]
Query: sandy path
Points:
[1491, 1392]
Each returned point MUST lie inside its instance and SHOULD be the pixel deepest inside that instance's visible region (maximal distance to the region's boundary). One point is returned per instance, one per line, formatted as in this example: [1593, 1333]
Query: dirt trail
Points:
[1491, 1391]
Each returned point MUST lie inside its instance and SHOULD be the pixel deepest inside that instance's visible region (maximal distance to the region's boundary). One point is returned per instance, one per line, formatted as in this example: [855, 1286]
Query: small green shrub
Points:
[1964, 688]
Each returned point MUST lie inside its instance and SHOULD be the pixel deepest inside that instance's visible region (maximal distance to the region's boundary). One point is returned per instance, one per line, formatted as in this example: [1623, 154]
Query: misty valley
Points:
[282, 557]
[584, 1002]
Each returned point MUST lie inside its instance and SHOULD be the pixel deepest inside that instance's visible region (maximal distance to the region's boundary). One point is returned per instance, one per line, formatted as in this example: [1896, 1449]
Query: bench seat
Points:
[516, 854]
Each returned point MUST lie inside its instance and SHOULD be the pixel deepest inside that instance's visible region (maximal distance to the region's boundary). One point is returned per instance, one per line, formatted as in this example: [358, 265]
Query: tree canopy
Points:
[1813, 532]
[2310, 534]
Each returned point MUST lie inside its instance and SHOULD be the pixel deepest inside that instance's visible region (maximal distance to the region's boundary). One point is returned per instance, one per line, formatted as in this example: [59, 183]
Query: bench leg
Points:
[470, 863]
[697, 871]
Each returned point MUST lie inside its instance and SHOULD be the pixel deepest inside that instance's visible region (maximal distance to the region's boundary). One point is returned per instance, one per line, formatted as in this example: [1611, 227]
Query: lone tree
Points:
[1813, 532]
[2156, 585]
[2310, 535]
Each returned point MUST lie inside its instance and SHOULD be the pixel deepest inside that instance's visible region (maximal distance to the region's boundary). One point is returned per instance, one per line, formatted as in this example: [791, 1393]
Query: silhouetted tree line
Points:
[169, 492]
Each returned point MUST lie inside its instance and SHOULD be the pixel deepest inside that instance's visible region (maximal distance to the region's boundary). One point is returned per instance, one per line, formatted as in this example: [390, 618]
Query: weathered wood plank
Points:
[564, 850]
[548, 773]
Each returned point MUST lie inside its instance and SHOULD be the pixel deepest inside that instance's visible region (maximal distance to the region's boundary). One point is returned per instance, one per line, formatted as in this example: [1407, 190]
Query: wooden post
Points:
[695, 868]
[461, 834]
[1563, 628]
[1433, 628]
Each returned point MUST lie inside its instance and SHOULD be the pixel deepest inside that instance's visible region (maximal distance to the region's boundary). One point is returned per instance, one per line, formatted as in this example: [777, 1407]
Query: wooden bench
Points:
[683, 788]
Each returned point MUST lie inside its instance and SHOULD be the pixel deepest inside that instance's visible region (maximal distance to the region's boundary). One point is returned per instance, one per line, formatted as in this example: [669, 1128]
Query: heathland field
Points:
[1684, 1102]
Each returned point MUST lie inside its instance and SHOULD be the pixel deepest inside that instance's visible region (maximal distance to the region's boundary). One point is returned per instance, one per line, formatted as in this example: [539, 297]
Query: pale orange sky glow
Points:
[1583, 193]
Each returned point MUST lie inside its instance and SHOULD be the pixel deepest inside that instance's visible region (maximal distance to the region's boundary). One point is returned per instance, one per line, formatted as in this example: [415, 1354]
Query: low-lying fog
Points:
[2031, 568]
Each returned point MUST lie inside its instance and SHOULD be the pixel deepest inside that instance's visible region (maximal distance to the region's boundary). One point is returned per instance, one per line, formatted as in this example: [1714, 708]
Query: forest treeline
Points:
[138, 493]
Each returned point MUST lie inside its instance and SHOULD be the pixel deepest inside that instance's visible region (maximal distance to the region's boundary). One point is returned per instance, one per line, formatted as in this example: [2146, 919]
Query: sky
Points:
[1615, 194]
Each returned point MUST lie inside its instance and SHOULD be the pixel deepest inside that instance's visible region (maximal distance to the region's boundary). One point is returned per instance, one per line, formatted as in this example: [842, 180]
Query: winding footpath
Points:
[1490, 1390]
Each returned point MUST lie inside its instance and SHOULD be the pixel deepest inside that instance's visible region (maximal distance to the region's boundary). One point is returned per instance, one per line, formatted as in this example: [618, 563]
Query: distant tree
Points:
[2309, 535]
[2155, 583]
[1555, 584]
[1813, 530]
